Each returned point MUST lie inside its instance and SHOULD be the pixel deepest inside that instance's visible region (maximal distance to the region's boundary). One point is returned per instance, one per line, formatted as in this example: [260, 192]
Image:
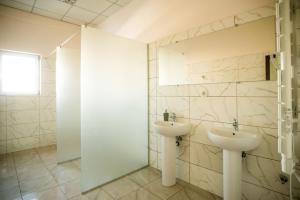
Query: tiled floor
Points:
[34, 175]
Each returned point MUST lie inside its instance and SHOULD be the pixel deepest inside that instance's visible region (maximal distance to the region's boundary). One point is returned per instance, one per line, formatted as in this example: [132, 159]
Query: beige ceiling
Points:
[149, 20]
[81, 12]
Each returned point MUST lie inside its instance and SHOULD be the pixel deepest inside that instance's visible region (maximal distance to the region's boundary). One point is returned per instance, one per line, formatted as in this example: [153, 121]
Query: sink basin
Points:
[168, 132]
[172, 129]
[225, 138]
[233, 143]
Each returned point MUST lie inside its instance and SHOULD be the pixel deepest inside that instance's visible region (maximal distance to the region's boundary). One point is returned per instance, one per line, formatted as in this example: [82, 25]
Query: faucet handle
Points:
[173, 116]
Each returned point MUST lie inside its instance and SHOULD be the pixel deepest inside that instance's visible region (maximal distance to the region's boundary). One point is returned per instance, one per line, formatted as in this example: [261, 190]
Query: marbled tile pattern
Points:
[35, 174]
[240, 18]
[212, 104]
[29, 121]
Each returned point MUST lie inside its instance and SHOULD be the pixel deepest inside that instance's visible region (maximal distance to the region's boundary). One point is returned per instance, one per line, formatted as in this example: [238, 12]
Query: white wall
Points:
[150, 20]
[30, 121]
[21, 31]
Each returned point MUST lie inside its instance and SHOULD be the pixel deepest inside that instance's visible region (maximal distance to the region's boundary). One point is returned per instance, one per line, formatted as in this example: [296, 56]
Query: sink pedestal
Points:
[232, 175]
[168, 161]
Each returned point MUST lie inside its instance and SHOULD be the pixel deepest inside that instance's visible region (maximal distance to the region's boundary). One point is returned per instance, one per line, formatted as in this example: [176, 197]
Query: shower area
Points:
[102, 119]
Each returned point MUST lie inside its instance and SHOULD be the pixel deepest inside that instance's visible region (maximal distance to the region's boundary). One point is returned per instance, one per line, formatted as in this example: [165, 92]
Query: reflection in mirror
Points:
[241, 53]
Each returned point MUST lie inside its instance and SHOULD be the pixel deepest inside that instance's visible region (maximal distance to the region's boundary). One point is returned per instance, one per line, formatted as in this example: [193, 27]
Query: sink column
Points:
[232, 175]
[168, 161]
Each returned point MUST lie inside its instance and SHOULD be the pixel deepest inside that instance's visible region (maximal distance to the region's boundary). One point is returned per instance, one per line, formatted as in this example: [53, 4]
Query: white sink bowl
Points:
[240, 141]
[169, 131]
[172, 129]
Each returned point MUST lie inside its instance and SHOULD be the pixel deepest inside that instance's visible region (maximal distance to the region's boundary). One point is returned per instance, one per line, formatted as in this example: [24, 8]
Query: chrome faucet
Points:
[235, 124]
[173, 117]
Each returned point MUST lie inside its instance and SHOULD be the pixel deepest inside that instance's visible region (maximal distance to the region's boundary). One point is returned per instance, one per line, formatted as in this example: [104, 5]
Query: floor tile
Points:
[120, 187]
[37, 184]
[36, 175]
[29, 172]
[8, 183]
[97, 194]
[71, 189]
[145, 176]
[191, 192]
[80, 197]
[77, 163]
[26, 157]
[64, 173]
[140, 194]
[11, 194]
[51, 194]
[163, 192]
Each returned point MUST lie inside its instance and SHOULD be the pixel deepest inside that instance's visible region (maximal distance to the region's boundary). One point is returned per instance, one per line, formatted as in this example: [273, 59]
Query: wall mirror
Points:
[240, 53]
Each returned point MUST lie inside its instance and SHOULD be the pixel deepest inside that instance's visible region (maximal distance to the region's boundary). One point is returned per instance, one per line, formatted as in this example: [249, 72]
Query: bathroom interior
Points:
[149, 99]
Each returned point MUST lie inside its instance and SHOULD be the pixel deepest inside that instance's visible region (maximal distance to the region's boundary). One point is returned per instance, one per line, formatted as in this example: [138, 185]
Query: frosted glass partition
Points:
[68, 103]
[114, 107]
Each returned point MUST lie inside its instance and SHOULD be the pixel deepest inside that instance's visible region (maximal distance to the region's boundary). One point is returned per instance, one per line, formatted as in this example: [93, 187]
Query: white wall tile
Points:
[22, 103]
[48, 127]
[216, 104]
[257, 111]
[48, 77]
[219, 109]
[254, 192]
[257, 89]
[152, 87]
[21, 120]
[173, 91]
[22, 130]
[152, 69]
[206, 179]
[3, 119]
[153, 142]
[48, 103]
[2, 147]
[22, 144]
[213, 90]
[2, 103]
[264, 172]
[183, 170]
[200, 130]
[48, 139]
[21, 117]
[48, 89]
[151, 120]
[178, 105]
[207, 156]
[152, 105]
[183, 151]
[3, 135]
[47, 115]
[268, 146]
[153, 158]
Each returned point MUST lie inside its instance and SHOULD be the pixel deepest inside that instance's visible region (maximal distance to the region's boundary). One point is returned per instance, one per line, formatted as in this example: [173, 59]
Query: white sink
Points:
[172, 129]
[226, 138]
[233, 143]
[169, 131]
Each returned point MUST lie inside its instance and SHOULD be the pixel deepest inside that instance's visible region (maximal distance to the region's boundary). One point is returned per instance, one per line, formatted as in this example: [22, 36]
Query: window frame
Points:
[10, 52]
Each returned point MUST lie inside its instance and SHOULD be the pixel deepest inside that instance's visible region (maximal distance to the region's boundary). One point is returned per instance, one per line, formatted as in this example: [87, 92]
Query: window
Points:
[19, 73]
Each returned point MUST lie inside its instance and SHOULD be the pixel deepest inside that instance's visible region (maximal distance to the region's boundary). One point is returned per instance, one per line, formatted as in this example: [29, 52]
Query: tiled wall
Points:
[199, 161]
[29, 121]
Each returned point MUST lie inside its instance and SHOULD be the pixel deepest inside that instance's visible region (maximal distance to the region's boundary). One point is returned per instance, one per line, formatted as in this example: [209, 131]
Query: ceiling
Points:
[91, 12]
[150, 20]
